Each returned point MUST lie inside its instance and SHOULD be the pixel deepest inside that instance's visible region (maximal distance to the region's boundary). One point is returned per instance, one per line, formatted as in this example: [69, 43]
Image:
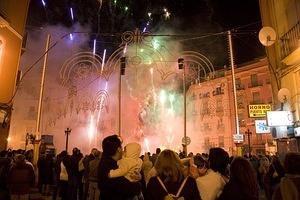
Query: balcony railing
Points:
[255, 84]
[290, 41]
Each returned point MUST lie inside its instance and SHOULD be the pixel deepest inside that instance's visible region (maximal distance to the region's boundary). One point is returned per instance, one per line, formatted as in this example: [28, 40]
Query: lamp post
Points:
[237, 136]
[67, 133]
[182, 66]
[40, 105]
[248, 133]
[122, 72]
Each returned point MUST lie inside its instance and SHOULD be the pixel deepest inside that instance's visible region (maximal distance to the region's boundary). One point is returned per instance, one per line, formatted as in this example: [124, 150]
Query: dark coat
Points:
[114, 188]
[155, 190]
[20, 178]
[233, 190]
[45, 165]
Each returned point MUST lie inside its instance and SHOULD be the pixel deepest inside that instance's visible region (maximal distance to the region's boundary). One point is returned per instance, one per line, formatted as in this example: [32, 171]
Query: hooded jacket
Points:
[130, 164]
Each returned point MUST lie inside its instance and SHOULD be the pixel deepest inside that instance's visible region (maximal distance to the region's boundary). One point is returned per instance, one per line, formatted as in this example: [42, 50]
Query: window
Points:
[205, 109]
[219, 106]
[256, 97]
[254, 81]
[31, 115]
[221, 141]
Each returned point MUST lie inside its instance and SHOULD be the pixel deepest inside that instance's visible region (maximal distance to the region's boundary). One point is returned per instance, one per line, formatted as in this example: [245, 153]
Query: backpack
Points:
[172, 196]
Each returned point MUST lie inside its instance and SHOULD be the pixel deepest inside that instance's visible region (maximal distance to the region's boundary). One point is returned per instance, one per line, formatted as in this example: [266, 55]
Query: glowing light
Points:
[141, 50]
[44, 3]
[126, 8]
[147, 144]
[103, 60]
[115, 1]
[94, 46]
[151, 71]
[8, 139]
[148, 23]
[125, 49]
[91, 131]
[149, 14]
[71, 36]
[167, 15]
[149, 62]
[171, 98]
[106, 86]
[144, 29]
[162, 96]
[165, 10]
[71, 11]
[155, 44]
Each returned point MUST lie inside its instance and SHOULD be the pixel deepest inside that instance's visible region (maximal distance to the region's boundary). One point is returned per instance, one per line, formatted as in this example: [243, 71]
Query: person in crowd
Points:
[4, 169]
[289, 187]
[130, 163]
[147, 165]
[170, 180]
[212, 183]
[242, 184]
[263, 169]
[45, 166]
[114, 188]
[85, 161]
[154, 156]
[61, 176]
[20, 179]
[93, 191]
[198, 166]
[73, 173]
[273, 176]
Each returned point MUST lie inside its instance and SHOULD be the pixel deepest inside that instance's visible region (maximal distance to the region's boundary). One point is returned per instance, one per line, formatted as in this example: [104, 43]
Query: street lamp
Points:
[182, 66]
[248, 133]
[122, 72]
[67, 133]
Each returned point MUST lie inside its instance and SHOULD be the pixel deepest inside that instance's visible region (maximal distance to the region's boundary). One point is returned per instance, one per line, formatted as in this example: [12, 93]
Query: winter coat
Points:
[20, 177]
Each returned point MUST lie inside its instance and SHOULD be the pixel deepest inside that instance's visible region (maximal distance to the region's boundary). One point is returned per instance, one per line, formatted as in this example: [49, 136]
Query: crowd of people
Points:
[119, 173]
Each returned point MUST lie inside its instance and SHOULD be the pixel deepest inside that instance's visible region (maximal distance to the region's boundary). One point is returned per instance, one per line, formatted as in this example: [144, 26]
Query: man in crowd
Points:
[114, 188]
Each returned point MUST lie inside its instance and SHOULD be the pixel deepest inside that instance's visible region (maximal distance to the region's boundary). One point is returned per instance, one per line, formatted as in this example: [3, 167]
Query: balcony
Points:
[257, 101]
[255, 84]
[290, 46]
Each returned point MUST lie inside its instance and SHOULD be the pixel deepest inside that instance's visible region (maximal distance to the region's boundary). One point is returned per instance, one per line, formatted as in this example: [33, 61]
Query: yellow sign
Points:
[259, 110]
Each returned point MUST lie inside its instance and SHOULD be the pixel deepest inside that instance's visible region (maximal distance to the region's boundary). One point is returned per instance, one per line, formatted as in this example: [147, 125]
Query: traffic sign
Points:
[238, 138]
[186, 140]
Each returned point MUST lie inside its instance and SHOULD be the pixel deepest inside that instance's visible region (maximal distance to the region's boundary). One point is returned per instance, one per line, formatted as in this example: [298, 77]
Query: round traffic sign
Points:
[186, 140]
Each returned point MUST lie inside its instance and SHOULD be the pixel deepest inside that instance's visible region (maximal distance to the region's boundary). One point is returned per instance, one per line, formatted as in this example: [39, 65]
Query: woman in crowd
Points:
[212, 183]
[289, 187]
[170, 179]
[242, 184]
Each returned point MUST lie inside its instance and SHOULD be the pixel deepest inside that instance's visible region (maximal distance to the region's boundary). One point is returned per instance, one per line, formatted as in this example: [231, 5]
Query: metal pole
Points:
[40, 104]
[120, 103]
[184, 106]
[233, 82]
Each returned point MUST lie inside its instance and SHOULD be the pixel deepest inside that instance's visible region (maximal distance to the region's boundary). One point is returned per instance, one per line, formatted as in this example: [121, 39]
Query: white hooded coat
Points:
[130, 164]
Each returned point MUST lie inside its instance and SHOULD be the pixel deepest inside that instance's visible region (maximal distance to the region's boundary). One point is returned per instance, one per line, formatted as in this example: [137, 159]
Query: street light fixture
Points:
[122, 72]
[182, 66]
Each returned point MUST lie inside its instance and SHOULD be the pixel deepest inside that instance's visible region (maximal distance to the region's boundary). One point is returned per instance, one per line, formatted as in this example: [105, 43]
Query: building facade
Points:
[284, 55]
[212, 108]
[13, 14]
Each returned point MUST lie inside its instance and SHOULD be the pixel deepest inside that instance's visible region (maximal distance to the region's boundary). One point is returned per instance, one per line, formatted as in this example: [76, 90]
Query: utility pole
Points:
[67, 133]
[40, 105]
[238, 138]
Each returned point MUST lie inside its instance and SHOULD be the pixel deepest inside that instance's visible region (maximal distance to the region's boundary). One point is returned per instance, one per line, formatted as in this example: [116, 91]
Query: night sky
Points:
[187, 17]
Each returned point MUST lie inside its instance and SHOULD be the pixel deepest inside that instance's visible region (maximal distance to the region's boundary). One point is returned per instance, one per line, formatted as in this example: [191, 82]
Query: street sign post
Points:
[238, 138]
